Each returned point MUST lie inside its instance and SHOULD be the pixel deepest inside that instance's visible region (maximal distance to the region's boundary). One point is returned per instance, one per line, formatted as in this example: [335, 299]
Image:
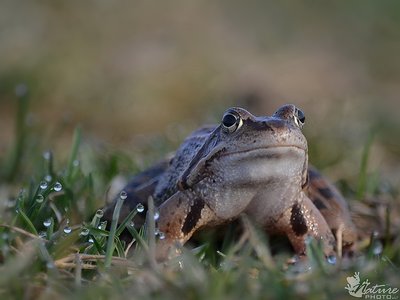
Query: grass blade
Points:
[362, 181]
[75, 146]
[113, 229]
[28, 222]
[20, 133]
[128, 218]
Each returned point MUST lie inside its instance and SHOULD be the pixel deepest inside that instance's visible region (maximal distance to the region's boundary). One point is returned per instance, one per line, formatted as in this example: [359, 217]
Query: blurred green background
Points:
[132, 73]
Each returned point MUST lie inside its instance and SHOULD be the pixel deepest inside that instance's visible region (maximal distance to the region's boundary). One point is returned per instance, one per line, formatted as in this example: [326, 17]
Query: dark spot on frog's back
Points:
[319, 203]
[297, 220]
[326, 192]
[193, 216]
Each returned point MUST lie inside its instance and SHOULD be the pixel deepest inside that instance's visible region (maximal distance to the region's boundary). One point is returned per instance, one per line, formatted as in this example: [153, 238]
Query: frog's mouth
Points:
[275, 151]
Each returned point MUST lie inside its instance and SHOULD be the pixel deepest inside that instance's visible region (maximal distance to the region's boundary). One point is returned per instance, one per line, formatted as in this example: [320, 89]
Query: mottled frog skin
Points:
[250, 165]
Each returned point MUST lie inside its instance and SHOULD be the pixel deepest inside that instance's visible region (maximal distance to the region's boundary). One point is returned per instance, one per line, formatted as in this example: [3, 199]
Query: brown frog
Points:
[250, 165]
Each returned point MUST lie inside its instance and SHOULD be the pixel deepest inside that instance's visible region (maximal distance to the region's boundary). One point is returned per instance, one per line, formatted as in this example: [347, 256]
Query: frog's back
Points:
[167, 184]
[332, 205]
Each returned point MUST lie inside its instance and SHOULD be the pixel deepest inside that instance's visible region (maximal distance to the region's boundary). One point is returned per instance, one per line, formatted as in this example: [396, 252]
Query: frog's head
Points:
[247, 149]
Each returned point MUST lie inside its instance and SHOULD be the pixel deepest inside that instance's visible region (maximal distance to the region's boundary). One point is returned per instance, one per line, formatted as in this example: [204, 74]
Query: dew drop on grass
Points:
[67, 229]
[39, 198]
[48, 178]
[47, 155]
[102, 225]
[57, 186]
[308, 240]
[131, 224]
[161, 235]
[331, 259]
[140, 208]
[90, 240]
[11, 203]
[156, 215]
[99, 213]
[47, 223]
[123, 195]
[21, 89]
[76, 163]
[50, 265]
[377, 247]
[84, 232]
[43, 185]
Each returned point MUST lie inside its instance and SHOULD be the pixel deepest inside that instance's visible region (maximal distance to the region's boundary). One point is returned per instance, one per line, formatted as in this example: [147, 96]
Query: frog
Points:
[247, 165]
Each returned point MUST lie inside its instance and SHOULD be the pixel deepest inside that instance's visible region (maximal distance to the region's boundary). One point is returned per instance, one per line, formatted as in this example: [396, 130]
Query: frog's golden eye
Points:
[231, 122]
[299, 118]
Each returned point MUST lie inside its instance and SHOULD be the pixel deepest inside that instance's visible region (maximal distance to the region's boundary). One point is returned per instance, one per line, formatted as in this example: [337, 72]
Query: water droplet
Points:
[84, 232]
[39, 198]
[156, 215]
[102, 225]
[42, 234]
[90, 240]
[99, 213]
[57, 186]
[156, 231]
[180, 264]
[48, 178]
[21, 89]
[76, 163]
[21, 194]
[43, 185]
[308, 240]
[67, 229]
[47, 222]
[47, 155]
[331, 259]
[140, 208]
[377, 247]
[161, 235]
[11, 203]
[123, 195]
[132, 224]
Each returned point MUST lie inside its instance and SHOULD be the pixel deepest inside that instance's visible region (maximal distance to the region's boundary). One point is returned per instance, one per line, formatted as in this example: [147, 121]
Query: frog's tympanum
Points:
[250, 165]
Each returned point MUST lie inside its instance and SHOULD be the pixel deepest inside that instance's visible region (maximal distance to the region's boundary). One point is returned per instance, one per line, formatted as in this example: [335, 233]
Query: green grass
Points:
[54, 243]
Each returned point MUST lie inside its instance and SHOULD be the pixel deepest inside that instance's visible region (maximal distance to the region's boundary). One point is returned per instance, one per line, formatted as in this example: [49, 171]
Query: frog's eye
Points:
[299, 118]
[231, 122]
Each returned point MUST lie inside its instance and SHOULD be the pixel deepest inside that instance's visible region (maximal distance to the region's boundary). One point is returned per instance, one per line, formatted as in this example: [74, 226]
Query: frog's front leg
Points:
[302, 220]
[180, 216]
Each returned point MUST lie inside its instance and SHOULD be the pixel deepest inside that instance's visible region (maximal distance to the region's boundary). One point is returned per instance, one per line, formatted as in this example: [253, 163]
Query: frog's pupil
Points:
[301, 116]
[229, 120]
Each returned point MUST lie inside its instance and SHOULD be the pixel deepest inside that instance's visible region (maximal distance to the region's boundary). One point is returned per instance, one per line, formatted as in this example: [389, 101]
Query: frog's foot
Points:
[303, 220]
[179, 218]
